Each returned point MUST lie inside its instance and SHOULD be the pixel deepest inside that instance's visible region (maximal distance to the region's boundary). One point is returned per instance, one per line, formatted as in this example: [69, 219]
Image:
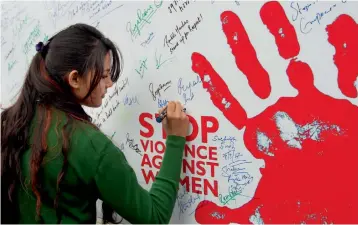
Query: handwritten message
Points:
[181, 33]
[93, 11]
[111, 103]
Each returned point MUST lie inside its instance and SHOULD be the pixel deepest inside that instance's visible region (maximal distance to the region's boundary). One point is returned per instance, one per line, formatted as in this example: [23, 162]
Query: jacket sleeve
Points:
[118, 186]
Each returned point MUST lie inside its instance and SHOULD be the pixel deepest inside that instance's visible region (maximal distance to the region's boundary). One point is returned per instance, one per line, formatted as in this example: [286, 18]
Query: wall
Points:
[271, 89]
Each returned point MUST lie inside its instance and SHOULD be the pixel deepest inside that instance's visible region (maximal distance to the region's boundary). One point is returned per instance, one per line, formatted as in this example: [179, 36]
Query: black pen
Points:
[161, 117]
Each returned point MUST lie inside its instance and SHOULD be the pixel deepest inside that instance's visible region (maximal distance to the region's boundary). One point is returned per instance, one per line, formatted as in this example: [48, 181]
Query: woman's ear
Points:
[74, 79]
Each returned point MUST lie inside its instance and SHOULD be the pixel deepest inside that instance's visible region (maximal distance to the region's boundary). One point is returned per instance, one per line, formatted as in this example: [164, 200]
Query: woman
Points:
[56, 163]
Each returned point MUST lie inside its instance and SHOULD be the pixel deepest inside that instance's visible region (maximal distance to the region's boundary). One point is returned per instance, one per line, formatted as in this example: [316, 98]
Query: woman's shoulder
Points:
[84, 135]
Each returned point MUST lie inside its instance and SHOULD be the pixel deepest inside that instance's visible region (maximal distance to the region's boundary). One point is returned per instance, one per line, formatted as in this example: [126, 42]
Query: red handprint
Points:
[311, 171]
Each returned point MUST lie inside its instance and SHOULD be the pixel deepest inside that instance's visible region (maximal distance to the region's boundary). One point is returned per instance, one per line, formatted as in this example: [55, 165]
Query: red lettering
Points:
[192, 152]
[205, 129]
[185, 182]
[207, 185]
[213, 153]
[189, 167]
[146, 161]
[157, 161]
[196, 186]
[201, 170]
[148, 176]
[189, 150]
[200, 155]
[146, 125]
[161, 149]
[145, 146]
[205, 120]
[212, 168]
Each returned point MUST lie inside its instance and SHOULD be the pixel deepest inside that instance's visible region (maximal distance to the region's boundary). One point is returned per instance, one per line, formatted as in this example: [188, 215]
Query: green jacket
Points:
[97, 169]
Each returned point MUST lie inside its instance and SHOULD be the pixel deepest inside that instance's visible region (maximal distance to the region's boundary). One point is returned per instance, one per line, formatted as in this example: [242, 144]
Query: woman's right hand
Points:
[176, 122]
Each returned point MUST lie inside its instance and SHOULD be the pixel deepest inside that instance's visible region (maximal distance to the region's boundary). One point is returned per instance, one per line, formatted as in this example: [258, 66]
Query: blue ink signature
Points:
[306, 26]
[186, 90]
[130, 100]
[232, 155]
[227, 142]
[234, 167]
[299, 10]
[162, 102]
[148, 40]
[240, 178]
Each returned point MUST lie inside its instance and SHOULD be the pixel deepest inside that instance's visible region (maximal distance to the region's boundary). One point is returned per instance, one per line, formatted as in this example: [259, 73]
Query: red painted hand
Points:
[309, 142]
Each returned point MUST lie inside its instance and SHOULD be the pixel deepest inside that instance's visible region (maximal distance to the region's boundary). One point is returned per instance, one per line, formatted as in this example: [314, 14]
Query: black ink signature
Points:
[164, 86]
[133, 146]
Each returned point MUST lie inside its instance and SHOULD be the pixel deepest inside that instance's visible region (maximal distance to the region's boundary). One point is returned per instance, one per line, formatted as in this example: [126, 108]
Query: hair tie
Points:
[39, 46]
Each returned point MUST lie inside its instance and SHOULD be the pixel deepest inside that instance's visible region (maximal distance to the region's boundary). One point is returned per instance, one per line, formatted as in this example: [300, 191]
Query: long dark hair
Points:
[78, 47]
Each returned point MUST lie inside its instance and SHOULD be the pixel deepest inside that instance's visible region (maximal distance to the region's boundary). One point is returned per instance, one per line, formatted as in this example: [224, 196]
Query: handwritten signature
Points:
[130, 100]
[186, 201]
[227, 142]
[159, 62]
[142, 67]
[148, 40]
[163, 87]
[234, 168]
[186, 89]
[143, 17]
[306, 25]
[224, 199]
[162, 102]
[133, 146]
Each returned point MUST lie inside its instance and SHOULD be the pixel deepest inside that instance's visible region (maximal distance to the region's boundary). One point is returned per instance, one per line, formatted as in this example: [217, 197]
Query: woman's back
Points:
[77, 194]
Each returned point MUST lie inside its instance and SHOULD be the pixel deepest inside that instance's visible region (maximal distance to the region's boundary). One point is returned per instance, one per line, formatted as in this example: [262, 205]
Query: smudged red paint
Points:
[274, 17]
[245, 54]
[313, 183]
[219, 91]
[343, 35]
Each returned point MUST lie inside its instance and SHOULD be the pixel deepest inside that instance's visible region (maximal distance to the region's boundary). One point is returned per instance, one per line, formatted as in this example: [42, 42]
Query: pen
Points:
[161, 117]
